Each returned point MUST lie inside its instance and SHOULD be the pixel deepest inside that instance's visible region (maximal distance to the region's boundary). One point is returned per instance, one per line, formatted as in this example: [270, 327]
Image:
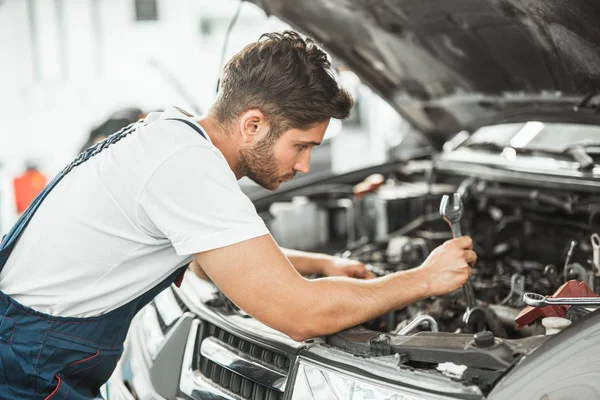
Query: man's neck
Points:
[224, 141]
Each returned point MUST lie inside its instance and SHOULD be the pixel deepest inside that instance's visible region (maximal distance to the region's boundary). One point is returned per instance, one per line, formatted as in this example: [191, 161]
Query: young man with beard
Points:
[122, 221]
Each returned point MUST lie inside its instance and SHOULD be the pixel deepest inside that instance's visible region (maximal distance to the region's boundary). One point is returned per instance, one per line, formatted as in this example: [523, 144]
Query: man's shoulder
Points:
[194, 158]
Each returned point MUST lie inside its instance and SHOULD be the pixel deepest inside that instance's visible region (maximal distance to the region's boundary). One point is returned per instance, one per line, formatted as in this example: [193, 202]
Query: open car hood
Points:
[453, 65]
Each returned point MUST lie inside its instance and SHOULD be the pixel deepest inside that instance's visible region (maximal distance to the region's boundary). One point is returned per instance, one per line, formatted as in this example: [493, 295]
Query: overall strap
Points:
[190, 124]
[10, 239]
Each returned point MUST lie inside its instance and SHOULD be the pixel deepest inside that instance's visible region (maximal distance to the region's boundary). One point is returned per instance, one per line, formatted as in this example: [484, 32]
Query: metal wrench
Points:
[537, 300]
[451, 209]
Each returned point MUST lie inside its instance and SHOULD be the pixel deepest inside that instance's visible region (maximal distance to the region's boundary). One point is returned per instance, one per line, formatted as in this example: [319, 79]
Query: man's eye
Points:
[302, 147]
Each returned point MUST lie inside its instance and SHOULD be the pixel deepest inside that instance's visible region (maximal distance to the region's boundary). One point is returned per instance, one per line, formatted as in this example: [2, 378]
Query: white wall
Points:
[107, 67]
[48, 107]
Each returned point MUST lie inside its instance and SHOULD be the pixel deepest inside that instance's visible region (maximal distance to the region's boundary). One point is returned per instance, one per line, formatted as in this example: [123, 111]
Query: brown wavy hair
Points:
[287, 78]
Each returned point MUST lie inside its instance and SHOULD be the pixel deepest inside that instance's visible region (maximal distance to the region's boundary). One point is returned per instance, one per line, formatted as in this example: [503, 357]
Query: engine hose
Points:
[414, 224]
[557, 222]
[494, 323]
[534, 195]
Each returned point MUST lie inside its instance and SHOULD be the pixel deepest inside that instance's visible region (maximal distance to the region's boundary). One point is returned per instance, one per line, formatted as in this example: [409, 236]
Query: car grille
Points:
[275, 360]
[235, 382]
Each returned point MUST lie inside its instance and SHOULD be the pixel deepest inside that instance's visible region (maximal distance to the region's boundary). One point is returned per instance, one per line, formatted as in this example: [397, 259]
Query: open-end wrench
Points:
[451, 209]
[537, 300]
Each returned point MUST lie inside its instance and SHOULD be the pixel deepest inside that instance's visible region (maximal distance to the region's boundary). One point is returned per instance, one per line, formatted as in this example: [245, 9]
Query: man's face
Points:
[269, 162]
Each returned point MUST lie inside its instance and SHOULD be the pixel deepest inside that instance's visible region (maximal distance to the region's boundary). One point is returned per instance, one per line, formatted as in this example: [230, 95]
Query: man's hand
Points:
[338, 266]
[449, 265]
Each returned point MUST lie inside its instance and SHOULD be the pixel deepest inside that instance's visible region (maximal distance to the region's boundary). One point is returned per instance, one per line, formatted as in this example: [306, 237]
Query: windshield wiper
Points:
[577, 153]
[493, 146]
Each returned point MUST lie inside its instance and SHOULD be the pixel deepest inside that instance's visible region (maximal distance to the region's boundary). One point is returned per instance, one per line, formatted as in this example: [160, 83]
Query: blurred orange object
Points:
[370, 184]
[26, 187]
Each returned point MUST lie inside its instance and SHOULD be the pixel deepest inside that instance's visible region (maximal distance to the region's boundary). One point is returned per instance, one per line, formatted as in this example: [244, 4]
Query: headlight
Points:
[320, 382]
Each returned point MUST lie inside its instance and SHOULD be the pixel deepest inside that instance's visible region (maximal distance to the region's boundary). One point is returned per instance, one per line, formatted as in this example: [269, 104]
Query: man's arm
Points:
[258, 277]
[307, 263]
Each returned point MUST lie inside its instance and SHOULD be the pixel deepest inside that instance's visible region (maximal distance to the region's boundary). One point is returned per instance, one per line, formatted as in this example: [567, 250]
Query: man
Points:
[123, 220]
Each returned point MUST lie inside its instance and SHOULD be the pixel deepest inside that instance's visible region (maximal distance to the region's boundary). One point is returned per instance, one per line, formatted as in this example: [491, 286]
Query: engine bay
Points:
[532, 239]
[528, 239]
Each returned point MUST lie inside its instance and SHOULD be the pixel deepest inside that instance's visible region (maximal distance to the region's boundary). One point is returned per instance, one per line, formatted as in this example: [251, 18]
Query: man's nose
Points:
[303, 164]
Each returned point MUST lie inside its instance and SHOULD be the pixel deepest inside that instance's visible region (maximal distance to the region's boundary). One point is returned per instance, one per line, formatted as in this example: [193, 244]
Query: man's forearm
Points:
[307, 263]
[333, 304]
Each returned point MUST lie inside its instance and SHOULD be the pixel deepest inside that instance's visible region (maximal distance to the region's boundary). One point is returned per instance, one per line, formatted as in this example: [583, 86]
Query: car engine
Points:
[527, 239]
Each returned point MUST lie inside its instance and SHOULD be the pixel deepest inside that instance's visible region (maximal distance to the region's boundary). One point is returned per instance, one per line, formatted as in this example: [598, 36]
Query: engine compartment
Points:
[528, 239]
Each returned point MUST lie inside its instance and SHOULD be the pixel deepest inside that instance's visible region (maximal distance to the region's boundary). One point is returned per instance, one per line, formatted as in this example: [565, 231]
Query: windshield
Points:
[534, 135]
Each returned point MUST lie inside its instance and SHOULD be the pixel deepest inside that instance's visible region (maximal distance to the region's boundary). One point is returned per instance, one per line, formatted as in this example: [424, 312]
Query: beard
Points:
[260, 165]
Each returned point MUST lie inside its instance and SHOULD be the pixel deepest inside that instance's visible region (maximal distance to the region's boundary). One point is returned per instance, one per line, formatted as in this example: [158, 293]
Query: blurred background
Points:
[74, 71]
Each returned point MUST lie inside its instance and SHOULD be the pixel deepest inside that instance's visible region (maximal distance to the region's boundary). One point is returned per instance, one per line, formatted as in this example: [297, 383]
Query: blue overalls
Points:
[48, 357]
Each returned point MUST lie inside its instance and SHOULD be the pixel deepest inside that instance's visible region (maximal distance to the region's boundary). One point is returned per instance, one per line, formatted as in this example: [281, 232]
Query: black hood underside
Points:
[460, 64]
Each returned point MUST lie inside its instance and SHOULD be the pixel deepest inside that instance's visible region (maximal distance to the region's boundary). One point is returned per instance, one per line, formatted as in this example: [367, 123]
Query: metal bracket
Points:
[582, 274]
[517, 289]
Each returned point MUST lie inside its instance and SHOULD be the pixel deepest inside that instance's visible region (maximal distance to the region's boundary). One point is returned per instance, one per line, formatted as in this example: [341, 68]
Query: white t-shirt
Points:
[121, 222]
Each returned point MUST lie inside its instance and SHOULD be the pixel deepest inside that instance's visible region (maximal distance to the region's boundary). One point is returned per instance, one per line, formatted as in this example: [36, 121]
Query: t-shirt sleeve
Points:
[193, 199]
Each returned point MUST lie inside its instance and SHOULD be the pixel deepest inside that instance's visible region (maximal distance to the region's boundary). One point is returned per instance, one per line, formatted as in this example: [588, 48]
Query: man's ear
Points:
[252, 125]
